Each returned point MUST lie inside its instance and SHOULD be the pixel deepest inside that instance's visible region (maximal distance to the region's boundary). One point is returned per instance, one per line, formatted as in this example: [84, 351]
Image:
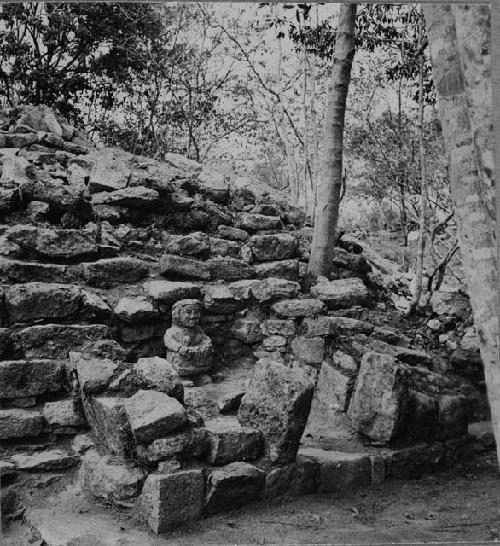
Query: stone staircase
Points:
[96, 246]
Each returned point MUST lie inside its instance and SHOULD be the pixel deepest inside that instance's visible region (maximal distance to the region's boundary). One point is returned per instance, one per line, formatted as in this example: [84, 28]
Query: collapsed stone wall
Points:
[97, 245]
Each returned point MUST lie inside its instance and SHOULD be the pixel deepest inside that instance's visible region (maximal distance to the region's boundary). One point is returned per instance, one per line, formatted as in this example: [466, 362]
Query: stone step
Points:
[29, 378]
[101, 273]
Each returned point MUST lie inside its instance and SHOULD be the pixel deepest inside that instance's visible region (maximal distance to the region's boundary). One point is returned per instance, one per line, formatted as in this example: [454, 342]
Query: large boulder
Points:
[232, 486]
[379, 402]
[342, 293]
[38, 118]
[453, 304]
[135, 309]
[277, 402]
[170, 500]
[281, 246]
[158, 374]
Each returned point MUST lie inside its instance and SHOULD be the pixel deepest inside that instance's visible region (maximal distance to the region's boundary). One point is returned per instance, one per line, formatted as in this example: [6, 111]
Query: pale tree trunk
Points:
[330, 181]
[459, 44]
[282, 123]
[419, 267]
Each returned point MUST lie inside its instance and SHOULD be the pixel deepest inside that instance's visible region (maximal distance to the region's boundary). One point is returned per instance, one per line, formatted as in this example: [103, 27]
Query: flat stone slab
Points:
[170, 500]
[135, 309]
[55, 459]
[229, 442]
[168, 292]
[25, 378]
[36, 300]
[339, 471]
[188, 444]
[20, 423]
[153, 414]
[299, 308]
[56, 340]
[342, 293]
[178, 266]
[115, 271]
[233, 486]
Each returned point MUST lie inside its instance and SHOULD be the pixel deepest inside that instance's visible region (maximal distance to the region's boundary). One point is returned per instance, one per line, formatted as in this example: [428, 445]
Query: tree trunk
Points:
[419, 267]
[330, 182]
[463, 82]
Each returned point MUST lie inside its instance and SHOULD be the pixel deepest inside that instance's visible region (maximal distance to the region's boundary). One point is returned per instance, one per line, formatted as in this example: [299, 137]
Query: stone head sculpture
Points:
[186, 313]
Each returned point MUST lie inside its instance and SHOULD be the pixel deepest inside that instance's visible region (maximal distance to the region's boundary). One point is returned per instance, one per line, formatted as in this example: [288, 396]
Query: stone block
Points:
[224, 247]
[25, 378]
[339, 471]
[57, 340]
[378, 469]
[112, 271]
[308, 349]
[342, 293]
[284, 269]
[256, 222]
[158, 374]
[292, 480]
[137, 197]
[188, 444]
[43, 461]
[228, 442]
[230, 401]
[135, 309]
[277, 402]
[280, 246]
[232, 486]
[453, 416]
[109, 478]
[293, 308]
[110, 426]
[334, 386]
[170, 500]
[220, 299]
[166, 293]
[378, 406]
[422, 415]
[247, 330]
[279, 327]
[62, 414]
[232, 233]
[20, 423]
[35, 300]
[94, 374]
[153, 414]
[193, 244]
[177, 266]
[54, 244]
[229, 269]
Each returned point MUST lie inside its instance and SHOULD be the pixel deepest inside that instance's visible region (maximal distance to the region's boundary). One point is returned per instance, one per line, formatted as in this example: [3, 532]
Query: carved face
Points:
[186, 313]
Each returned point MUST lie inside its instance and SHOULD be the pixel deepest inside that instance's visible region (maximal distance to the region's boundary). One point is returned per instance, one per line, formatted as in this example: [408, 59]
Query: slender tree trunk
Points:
[461, 71]
[419, 267]
[330, 182]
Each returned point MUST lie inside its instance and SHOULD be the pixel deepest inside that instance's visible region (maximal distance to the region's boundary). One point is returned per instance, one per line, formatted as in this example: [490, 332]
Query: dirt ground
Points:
[458, 505]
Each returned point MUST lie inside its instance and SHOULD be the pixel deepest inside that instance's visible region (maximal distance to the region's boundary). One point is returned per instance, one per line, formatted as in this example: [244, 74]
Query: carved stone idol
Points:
[189, 349]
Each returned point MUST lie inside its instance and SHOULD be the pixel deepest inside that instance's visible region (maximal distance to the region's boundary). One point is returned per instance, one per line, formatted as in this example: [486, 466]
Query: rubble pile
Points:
[101, 253]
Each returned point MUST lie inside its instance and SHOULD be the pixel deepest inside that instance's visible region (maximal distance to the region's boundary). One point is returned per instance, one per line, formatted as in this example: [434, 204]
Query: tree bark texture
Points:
[460, 51]
[330, 180]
